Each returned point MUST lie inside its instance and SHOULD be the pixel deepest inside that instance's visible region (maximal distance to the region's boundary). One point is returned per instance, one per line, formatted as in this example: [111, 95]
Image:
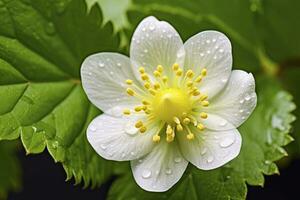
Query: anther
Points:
[203, 97]
[190, 73]
[179, 72]
[176, 120]
[189, 83]
[126, 112]
[200, 127]
[156, 86]
[142, 70]
[179, 127]
[170, 138]
[145, 77]
[159, 68]
[175, 67]
[196, 92]
[156, 138]
[164, 79]
[147, 85]
[204, 72]
[139, 124]
[186, 120]
[203, 115]
[129, 82]
[169, 130]
[152, 91]
[205, 103]
[143, 129]
[198, 79]
[130, 91]
[156, 73]
[145, 102]
[190, 136]
[138, 108]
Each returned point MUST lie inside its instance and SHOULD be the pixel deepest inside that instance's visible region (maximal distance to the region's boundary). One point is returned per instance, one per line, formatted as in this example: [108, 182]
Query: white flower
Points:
[169, 104]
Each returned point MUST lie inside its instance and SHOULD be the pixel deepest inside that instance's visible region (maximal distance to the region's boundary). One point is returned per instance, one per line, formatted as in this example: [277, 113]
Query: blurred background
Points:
[265, 38]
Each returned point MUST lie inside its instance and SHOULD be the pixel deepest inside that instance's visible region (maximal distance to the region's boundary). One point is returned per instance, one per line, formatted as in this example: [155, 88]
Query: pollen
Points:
[172, 102]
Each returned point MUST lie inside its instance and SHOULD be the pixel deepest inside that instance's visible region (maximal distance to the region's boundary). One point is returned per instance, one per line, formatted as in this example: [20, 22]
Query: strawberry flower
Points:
[168, 104]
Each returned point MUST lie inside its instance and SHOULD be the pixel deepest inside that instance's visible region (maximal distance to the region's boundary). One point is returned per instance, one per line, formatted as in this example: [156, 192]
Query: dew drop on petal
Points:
[130, 128]
[210, 159]
[100, 64]
[103, 146]
[203, 151]
[226, 142]
[247, 97]
[223, 123]
[168, 171]
[140, 160]
[93, 128]
[146, 174]
[241, 101]
[177, 160]
[119, 64]
[151, 27]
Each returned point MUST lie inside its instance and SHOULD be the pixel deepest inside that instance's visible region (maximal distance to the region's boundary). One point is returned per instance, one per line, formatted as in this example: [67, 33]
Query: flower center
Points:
[171, 103]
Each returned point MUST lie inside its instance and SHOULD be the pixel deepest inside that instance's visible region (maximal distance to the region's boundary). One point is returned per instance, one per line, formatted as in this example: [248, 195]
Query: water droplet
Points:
[123, 155]
[224, 80]
[203, 151]
[216, 47]
[207, 41]
[210, 159]
[180, 53]
[119, 64]
[130, 128]
[242, 101]
[221, 50]
[34, 129]
[247, 97]
[140, 160]
[138, 41]
[214, 40]
[151, 27]
[168, 171]
[226, 142]
[55, 144]
[103, 146]
[216, 137]
[144, 29]
[146, 174]
[268, 162]
[169, 35]
[177, 160]
[208, 51]
[116, 111]
[241, 111]
[277, 123]
[157, 172]
[163, 30]
[100, 64]
[201, 54]
[132, 153]
[93, 128]
[50, 28]
[215, 57]
[145, 50]
[223, 123]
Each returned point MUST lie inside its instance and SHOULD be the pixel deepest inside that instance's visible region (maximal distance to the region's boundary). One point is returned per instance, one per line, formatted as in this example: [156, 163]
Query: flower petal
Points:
[156, 43]
[211, 149]
[161, 168]
[210, 50]
[116, 138]
[238, 99]
[103, 76]
[216, 123]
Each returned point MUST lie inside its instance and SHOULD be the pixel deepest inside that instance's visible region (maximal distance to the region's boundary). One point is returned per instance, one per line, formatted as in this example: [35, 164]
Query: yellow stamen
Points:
[156, 73]
[190, 73]
[142, 70]
[175, 67]
[156, 138]
[203, 97]
[156, 86]
[204, 72]
[145, 77]
[205, 103]
[200, 127]
[170, 138]
[129, 82]
[130, 91]
[203, 115]
[159, 68]
[196, 93]
[190, 136]
[186, 120]
[138, 108]
[198, 79]
[143, 129]
[139, 124]
[169, 130]
[126, 112]
[147, 85]
[176, 120]
[189, 83]
[179, 127]
[152, 91]
[179, 72]
[145, 102]
[164, 79]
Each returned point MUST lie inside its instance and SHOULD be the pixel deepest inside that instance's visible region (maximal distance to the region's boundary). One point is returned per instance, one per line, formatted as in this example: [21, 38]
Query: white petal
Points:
[156, 43]
[116, 138]
[103, 79]
[210, 50]
[160, 169]
[211, 149]
[238, 99]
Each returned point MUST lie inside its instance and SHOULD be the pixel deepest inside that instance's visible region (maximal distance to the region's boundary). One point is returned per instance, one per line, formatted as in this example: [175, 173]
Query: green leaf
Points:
[264, 134]
[42, 46]
[10, 172]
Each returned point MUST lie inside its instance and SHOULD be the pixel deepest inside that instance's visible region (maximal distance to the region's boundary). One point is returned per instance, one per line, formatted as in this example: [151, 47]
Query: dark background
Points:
[44, 179]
